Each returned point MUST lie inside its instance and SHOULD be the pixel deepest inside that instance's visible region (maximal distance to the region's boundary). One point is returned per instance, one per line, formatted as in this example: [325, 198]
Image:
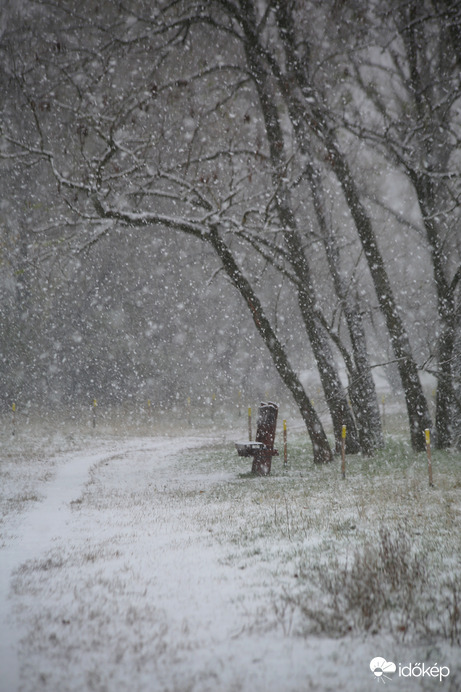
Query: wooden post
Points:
[343, 451]
[13, 418]
[95, 403]
[285, 445]
[189, 419]
[427, 434]
[249, 423]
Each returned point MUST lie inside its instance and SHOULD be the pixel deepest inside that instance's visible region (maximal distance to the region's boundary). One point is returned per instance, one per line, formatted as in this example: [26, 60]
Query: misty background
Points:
[233, 201]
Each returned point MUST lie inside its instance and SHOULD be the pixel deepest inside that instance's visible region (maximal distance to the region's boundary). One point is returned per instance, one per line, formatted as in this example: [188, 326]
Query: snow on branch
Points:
[151, 219]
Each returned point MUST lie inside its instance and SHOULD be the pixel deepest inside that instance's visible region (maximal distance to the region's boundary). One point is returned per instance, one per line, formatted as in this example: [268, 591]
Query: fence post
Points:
[343, 451]
[285, 444]
[427, 434]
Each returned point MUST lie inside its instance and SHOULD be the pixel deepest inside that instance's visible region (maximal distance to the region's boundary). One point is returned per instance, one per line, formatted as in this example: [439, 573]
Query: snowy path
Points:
[127, 574]
[35, 533]
[128, 559]
[115, 581]
[50, 524]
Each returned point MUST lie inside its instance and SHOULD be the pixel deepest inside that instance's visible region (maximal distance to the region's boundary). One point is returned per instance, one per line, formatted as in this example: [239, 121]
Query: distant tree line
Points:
[312, 150]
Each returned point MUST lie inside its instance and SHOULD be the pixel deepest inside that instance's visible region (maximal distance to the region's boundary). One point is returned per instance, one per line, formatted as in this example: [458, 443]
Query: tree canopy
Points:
[303, 156]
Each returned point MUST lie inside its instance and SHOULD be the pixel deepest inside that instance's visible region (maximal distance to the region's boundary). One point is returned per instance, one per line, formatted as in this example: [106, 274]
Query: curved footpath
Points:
[126, 574]
[50, 524]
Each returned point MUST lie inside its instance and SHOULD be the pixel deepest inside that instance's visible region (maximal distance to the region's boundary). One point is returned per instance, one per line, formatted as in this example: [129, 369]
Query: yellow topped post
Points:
[285, 444]
[343, 451]
[427, 434]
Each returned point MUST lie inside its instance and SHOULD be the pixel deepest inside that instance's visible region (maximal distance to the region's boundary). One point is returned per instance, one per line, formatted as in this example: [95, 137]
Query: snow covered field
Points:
[154, 563]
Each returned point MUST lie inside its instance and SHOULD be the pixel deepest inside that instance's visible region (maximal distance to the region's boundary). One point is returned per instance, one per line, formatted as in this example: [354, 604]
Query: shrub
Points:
[387, 586]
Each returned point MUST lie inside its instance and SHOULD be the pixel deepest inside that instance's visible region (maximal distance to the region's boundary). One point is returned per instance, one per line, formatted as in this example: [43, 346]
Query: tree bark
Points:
[445, 398]
[362, 390]
[322, 451]
[335, 395]
[310, 114]
[417, 408]
[321, 448]
[430, 132]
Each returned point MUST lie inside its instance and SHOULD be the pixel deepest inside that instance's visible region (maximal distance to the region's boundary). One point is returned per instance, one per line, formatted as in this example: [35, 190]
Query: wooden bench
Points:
[262, 450]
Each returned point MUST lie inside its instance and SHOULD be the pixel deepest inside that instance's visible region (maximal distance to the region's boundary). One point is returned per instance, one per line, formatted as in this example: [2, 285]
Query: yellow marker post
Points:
[427, 434]
[343, 451]
[285, 444]
[249, 423]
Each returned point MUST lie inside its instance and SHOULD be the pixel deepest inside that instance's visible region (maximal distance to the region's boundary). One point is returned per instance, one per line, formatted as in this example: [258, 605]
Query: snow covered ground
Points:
[148, 564]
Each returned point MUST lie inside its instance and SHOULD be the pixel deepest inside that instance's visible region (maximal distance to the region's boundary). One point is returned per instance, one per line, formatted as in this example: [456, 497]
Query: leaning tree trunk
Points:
[321, 447]
[428, 181]
[362, 389]
[306, 114]
[367, 433]
[446, 308]
[335, 394]
[417, 408]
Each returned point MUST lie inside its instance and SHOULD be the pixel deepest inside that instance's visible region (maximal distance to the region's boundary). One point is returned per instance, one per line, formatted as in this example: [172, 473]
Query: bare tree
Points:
[117, 154]
[219, 122]
[415, 124]
[311, 115]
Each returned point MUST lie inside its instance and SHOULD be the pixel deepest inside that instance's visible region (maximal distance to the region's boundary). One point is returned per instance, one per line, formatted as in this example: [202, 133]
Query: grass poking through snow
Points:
[376, 552]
